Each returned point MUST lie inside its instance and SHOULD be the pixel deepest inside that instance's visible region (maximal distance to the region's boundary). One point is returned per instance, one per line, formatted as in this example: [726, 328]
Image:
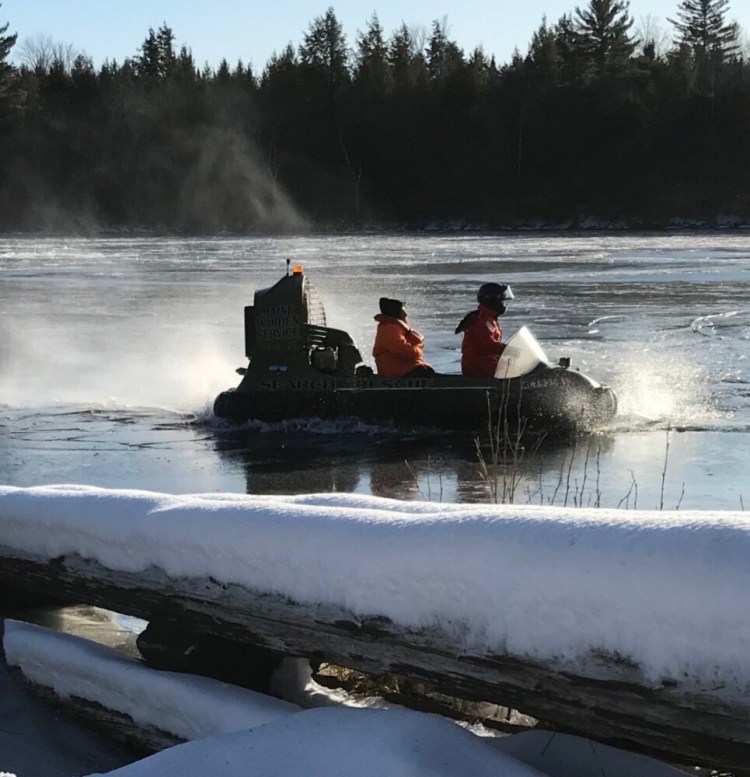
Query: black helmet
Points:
[494, 295]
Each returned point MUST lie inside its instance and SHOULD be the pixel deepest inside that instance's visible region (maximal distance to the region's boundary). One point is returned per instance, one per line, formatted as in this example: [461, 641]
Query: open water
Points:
[112, 350]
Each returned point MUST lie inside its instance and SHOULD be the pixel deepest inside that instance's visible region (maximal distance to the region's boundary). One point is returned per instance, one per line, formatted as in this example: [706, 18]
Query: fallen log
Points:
[14, 598]
[604, 697]
[209, 655]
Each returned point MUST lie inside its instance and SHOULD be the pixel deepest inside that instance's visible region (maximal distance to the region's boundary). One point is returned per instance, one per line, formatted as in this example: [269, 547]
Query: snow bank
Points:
[195, 708]
[666, 590]
[187, 706]
[323, 743]
[337, 743]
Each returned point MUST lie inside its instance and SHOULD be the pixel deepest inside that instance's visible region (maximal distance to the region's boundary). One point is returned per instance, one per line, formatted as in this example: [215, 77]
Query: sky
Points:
[251, 30]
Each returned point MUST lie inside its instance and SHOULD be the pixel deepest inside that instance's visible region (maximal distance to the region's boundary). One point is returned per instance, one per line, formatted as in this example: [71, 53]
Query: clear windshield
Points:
[522, 354]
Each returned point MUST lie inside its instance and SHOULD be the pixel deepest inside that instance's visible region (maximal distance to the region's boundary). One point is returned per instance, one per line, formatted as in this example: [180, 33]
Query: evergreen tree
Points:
[480, 68]
[702, 26]
[406, 61]
[371, 67]
[8, 92]
[544, 59]
[243, 74]
[572, 59]
[602, 34]
[280, 95]
[280, 74]
[157, 60]
[443, 56]
[84, 81]
[147, 63]
[184, 67]
[324, 50]
[413, 133]
[165, 46]
[223, 75]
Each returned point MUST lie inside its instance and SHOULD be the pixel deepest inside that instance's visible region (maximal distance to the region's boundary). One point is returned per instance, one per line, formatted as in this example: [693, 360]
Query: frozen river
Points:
[112, 350]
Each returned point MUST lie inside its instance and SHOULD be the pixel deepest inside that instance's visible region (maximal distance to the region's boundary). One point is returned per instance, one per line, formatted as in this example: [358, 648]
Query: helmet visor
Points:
[494, 294]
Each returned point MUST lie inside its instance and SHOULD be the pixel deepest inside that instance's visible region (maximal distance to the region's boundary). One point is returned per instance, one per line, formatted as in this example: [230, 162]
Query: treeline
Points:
[592, 125]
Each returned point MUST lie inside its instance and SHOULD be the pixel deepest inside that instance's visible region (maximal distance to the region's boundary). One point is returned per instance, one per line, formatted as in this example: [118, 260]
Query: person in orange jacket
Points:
[398, 348]
[482, 341]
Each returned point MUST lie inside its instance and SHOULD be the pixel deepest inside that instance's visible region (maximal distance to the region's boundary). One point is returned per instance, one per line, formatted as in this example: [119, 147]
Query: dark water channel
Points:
[111, 351]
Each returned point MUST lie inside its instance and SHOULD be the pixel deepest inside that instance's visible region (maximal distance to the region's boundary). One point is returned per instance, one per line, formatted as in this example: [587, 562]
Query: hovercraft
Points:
[301, 368]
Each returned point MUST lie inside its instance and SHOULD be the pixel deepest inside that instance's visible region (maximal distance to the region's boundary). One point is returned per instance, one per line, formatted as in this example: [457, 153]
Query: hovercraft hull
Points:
[299, 368]
[553, 397]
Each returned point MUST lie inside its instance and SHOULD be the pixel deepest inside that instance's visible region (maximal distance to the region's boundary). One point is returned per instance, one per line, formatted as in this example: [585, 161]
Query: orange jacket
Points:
[398, 348]
[482, 343]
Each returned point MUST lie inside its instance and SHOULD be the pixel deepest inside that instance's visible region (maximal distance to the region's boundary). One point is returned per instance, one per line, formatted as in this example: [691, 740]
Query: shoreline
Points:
[432, 228]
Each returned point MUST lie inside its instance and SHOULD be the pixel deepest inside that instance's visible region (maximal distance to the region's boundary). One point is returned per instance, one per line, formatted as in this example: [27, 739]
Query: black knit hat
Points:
[392, 307]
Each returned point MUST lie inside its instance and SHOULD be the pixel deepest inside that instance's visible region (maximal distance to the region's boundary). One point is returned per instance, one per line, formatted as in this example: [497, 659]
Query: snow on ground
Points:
[37, 741]
[543, 582]
[338, 743]
[272, 737]
[168, 701]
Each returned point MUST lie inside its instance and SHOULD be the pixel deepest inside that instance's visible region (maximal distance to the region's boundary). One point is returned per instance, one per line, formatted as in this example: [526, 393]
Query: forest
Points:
[595, 125]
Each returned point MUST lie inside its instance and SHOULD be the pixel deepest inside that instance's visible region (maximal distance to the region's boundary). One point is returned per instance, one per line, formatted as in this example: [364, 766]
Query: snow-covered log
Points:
[631, 628]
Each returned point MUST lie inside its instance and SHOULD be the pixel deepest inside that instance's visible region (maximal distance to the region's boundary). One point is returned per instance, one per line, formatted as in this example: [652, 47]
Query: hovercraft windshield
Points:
[522, 354]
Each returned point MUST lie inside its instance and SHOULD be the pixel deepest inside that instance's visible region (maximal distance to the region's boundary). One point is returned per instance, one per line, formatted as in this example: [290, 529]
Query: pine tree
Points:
[9, 96]
[702, 26]
[602, 34]
[371, 69]
[280, 74]
[223, 74]
[184, 66]
[324, 50]
[157, 59]
[573, 61]
[147, 63]
[480, 68]
[443, 55]
[544, 59]
[165, 46]
[406, 61]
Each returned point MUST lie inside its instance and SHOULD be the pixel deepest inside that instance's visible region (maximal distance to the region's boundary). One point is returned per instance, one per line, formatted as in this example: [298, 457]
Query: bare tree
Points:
[651, 34]
[41, 53]
[744, 44]
[419, 36]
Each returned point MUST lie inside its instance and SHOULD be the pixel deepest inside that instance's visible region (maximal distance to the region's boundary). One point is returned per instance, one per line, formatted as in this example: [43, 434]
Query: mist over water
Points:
[231, 181]
[223, 182]
[112, 350]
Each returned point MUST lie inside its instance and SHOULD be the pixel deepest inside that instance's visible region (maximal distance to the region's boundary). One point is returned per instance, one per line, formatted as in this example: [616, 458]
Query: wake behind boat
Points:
[301, 368]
